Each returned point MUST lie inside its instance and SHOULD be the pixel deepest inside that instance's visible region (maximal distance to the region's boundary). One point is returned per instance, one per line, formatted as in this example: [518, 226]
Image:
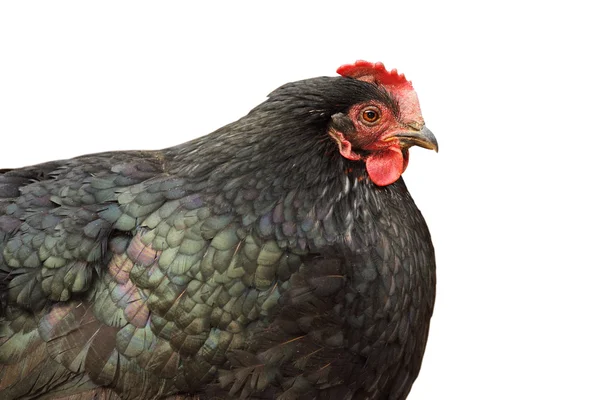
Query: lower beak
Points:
[424, 138]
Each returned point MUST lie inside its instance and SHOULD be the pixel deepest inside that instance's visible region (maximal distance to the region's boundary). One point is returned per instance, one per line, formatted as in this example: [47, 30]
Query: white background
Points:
[509, 88]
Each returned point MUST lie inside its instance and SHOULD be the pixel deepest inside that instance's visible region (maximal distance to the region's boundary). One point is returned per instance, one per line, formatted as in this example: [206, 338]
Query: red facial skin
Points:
[386, 157]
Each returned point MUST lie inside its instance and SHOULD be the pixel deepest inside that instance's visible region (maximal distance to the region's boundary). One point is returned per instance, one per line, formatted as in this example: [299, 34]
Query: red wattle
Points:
[385, 167]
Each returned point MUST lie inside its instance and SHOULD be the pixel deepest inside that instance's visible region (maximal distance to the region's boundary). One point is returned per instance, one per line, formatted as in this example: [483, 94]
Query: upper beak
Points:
[423, 138]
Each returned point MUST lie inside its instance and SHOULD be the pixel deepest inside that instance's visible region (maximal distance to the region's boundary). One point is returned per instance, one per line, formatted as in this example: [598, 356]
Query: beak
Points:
[424, 138]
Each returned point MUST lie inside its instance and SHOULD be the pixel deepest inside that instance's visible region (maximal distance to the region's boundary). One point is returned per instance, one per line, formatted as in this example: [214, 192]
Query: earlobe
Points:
[344, 145]
[340, 129]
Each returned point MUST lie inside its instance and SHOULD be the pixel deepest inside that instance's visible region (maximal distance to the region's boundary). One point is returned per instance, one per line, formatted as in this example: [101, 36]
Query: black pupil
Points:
[371, 115]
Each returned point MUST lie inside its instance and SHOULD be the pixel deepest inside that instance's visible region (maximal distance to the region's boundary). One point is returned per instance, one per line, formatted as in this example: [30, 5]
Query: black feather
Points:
[254, 262]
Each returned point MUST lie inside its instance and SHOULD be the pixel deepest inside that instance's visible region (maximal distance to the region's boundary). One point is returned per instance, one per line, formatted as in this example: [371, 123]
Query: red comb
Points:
[370, 72]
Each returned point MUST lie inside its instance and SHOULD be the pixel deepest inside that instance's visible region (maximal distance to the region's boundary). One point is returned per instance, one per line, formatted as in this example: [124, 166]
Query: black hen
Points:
[278, 257]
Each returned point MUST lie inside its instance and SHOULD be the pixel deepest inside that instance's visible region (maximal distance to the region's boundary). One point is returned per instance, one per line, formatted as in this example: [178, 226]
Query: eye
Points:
[371, 115]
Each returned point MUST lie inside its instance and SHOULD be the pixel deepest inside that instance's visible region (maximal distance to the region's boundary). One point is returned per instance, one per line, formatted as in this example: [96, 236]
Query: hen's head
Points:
[379, 128]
